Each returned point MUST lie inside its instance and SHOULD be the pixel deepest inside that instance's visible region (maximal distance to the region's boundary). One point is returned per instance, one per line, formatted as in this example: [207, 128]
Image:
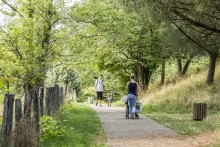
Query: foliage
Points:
[66, 77]
[72, 79]
[89, 38]
[126, 39]
[51, 129]
[27, 39]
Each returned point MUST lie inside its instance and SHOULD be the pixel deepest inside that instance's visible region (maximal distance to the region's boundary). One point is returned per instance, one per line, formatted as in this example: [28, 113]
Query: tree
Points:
[30, 40]
[197, 20]
[128, 42]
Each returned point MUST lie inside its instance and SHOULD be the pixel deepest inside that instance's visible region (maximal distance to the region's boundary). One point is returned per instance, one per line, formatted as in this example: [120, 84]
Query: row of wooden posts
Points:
[34, 107]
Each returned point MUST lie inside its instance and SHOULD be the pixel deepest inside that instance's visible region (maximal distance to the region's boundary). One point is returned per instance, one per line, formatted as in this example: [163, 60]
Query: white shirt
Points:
[99, 85]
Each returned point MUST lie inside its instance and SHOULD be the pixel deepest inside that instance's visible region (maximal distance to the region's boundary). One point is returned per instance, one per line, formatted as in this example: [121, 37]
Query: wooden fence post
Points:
[56, 105]
[27, 106]
[61, 96]
[41, 98]
[36, 108]
[7, 120]
[18, 109]
[54, 99]
[49, 100]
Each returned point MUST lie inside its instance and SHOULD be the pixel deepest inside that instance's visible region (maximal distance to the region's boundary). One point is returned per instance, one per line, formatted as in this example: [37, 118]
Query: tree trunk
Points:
[211, 72]
[8, 86]
[162, 73]
[27, 88]
[147, 75]
[65, 91]
[179, 67]
[141, 77]
[186, 67]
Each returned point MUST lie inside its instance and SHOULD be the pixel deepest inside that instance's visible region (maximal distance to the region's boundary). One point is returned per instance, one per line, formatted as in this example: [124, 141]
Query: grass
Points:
[119, 102]
[184, 124]
[82, 126]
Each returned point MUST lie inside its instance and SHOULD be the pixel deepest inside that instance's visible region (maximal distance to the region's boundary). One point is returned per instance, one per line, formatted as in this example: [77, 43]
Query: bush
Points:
[51, 129]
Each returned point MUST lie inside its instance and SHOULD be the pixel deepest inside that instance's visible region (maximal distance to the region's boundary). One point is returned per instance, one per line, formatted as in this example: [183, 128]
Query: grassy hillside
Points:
[179, 95]
[171, 105]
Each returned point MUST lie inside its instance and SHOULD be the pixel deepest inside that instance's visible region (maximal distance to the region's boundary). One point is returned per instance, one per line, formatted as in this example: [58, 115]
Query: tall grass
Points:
[181, 95]
[171, 104]
[25, 134]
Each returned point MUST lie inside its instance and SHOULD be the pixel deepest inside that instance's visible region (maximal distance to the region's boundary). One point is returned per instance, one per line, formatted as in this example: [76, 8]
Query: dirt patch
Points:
[155, 142]
[208, 139]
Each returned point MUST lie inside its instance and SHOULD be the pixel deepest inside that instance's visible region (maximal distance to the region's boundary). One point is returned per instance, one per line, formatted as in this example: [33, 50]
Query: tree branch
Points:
[194, 22]
[12, 7]
[190, 38]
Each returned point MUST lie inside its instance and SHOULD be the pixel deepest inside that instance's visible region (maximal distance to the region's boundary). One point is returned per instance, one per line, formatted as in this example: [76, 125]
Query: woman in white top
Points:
[99, 88]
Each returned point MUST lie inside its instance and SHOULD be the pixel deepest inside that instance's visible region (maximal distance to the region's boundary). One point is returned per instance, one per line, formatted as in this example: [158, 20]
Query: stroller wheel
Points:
[136, 116]
[126, 115]
[127, 112]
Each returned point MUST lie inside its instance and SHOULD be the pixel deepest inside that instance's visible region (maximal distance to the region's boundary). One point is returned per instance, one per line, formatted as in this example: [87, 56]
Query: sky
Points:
[3, 17]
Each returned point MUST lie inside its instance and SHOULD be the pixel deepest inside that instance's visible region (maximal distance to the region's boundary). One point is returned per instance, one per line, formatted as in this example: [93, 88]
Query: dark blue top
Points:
[132, 88]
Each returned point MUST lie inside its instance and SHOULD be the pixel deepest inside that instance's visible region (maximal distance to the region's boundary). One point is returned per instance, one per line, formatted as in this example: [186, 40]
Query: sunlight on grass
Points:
[83, 128]
[185, 125]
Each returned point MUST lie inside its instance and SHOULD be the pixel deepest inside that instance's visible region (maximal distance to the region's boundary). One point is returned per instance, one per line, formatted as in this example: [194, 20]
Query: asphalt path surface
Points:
[142, 132]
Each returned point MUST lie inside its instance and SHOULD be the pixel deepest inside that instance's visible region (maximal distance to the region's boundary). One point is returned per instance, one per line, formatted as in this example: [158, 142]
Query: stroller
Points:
[138, 109]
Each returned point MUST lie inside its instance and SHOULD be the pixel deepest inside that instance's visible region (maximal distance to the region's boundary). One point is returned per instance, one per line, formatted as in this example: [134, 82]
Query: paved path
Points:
[142, 132]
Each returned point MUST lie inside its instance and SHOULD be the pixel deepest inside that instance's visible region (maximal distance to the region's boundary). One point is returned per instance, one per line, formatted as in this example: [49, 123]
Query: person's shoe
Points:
[132, 116]
[136, 116]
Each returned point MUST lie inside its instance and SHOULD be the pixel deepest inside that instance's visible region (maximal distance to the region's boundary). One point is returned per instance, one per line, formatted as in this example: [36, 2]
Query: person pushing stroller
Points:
[138, 108]
[132, 88]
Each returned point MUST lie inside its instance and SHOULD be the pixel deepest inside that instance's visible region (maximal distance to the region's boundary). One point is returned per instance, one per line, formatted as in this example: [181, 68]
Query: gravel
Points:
[142, 132]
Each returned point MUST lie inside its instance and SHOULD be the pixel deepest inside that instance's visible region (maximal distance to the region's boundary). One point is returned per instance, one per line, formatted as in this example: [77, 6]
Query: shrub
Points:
[51, 129]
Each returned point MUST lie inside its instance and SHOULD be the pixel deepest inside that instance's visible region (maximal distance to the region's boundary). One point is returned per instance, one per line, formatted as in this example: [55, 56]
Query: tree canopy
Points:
[113, 37]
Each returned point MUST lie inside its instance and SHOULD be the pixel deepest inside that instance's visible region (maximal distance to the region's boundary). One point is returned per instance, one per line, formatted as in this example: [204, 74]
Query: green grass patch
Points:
[82, 128]
[119, 102]
[165, 106]
[184, 124]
